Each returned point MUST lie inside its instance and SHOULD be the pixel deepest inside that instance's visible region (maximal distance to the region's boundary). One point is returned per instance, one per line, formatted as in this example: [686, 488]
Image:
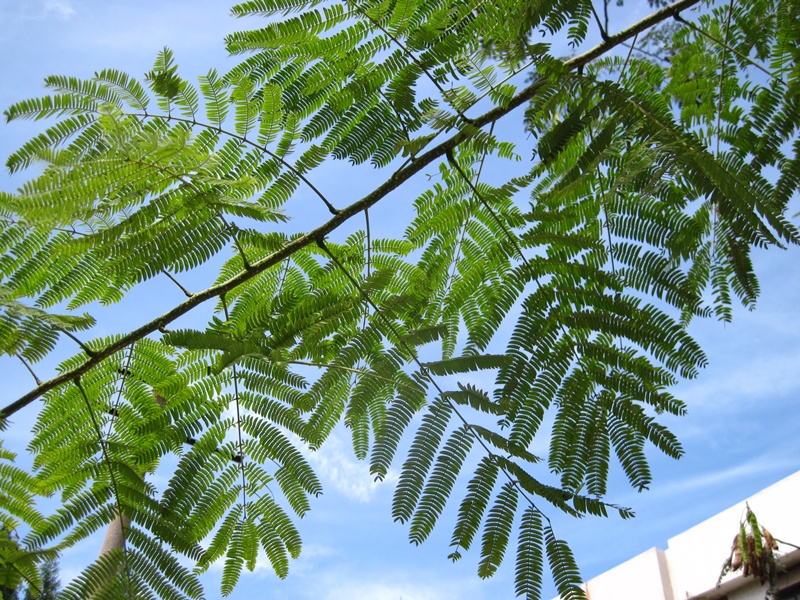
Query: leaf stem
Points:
[744, 57]
[89, 352]
[30, 369]
[238, 420]
[333, 210]
[186, 292]
[107, 460]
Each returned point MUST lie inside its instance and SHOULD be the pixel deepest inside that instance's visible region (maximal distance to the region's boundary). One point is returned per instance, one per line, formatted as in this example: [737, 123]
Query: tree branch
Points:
[186, 292]
[398, 178]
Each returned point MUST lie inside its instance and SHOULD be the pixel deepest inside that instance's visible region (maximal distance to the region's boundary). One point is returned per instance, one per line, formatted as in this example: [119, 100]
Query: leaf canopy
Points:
[563, 282]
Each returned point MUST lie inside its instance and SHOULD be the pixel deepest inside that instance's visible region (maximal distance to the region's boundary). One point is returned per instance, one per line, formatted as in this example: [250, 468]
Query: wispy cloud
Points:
[337, 467]
[307, 562]
[762, 376]
[138, 32]
[73, 560]
[37, 10]
[60, 8]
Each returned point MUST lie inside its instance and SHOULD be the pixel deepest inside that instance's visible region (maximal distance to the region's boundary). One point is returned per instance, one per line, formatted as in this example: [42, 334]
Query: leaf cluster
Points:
[520, 290]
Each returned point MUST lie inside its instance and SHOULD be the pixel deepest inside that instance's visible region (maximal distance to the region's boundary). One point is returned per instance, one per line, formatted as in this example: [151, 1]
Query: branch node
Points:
[186, 292]
[88, 351]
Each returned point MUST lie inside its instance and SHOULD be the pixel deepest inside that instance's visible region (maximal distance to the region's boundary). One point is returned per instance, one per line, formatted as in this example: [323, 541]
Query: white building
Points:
[690, 566]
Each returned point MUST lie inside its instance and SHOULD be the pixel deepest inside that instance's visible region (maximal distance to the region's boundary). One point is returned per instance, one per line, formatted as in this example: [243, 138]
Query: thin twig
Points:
[744, 57]
[511, 238]
[414, 59]
[603, 192]
[233, 229]
[350, 370]
[73, 231]
[603, 30]
[715, 207]
[170, 174]
[397, 114]
[408, 348]
[244, 140]
[578, 62]
[722, 77]
[24, 576]
[462, 235]
[124, 372]
[30, 369]
[186, 292]
[650, 54]
[627, 58]
[369, 261]
[89, 352]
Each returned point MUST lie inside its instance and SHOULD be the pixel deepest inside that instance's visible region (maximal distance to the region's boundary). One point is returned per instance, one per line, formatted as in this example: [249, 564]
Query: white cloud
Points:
[306, 563]
[309, 555]
[337, 467]
[37, 11]
[73, 560]
[202, 30]
[751, 379]
[60, 8]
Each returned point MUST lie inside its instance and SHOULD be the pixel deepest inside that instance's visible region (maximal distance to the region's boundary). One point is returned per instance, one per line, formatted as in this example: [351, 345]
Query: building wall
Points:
[695, 557]
[689, 568]
[645, 576]
[751, 592]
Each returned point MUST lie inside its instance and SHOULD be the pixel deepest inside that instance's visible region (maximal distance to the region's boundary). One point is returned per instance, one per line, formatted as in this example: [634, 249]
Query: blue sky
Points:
[741, 433]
